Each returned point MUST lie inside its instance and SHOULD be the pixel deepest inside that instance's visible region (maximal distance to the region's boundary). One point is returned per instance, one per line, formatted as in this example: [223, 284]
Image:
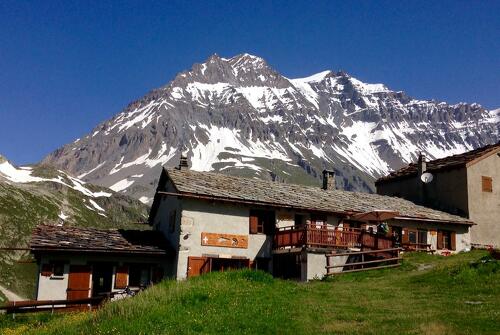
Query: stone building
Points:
[467, 185]
[216, 221]
[203, 222]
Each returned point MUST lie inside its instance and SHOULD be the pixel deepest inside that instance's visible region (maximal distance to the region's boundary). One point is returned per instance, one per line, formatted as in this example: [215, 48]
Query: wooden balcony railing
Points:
[316, 236]
[329, 237]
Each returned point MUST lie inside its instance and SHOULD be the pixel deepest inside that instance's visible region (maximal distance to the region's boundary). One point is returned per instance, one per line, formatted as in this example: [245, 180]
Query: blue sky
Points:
[66, 66]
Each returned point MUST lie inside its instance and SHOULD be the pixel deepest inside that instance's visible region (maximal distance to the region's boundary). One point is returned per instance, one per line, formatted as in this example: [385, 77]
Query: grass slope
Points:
[427, 295]
[23, 206]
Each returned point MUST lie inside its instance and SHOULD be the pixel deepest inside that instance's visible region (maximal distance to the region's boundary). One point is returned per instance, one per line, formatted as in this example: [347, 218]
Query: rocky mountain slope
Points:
[240, 116]
[41, 194]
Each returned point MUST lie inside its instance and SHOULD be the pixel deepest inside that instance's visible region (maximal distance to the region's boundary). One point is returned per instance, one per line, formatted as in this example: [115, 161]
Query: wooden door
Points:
[198, 266]
[78, 282]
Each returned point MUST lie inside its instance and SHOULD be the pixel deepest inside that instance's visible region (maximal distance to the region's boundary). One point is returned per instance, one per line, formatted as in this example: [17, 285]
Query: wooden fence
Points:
[364, 260]
[31, 306]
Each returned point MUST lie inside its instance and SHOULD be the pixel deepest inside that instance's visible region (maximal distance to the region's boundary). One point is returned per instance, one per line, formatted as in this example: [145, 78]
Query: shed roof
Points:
[450, 162]
[67, 238]
[218, 186]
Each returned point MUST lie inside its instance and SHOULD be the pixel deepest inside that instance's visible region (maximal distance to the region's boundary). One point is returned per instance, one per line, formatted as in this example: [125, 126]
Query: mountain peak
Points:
[238, 115]
[315, 77]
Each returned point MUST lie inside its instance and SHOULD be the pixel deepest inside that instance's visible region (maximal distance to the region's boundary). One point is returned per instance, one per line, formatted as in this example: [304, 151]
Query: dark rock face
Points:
[240, 116]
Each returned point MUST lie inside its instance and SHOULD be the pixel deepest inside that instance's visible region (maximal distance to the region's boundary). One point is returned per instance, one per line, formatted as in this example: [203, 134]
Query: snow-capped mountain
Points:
[238, 115]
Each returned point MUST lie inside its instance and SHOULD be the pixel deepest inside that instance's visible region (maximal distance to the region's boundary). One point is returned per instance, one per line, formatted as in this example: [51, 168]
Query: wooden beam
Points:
[366, 262]
[366, 269]
[363, 252]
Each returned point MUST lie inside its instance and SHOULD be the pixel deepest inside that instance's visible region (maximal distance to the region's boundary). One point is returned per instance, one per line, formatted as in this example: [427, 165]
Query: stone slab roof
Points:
[449, 162]
[237, 189]
[67, 238]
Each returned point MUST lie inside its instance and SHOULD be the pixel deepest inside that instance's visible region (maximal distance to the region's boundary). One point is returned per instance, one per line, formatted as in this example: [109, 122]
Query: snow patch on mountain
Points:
[24, 175]
[221, 140]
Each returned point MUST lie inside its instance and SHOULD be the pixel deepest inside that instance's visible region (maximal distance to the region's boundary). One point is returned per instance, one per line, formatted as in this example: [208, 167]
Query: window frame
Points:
[133, 268]
[265, 222]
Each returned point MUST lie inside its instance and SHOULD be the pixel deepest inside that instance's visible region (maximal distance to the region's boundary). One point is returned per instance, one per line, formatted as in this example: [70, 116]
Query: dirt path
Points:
[11, 296]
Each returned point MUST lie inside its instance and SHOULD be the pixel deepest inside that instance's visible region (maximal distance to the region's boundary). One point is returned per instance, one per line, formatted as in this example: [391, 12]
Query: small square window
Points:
[58, 269]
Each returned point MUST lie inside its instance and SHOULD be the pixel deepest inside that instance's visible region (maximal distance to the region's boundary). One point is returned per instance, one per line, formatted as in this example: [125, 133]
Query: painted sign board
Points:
[224, 240]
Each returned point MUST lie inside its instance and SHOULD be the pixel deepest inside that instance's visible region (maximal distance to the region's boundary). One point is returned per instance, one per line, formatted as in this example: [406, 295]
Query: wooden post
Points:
[327, 264]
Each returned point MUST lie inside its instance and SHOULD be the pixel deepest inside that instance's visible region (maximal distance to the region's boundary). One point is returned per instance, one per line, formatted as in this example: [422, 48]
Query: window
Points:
[299, 219]
[58, 269]
[318, 221]
[487, 184]
[422, 236]
[414, 239]
[139, 275]
[412, 236]
[262, 222]
[171, 221]
[446, 239]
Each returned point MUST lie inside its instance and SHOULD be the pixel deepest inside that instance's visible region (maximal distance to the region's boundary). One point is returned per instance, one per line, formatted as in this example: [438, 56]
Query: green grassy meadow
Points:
[427, 295]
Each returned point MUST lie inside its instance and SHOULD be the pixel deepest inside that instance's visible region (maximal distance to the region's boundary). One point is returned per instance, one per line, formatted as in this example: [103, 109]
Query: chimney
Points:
[421, 164]
[183, 163]
[328, 180]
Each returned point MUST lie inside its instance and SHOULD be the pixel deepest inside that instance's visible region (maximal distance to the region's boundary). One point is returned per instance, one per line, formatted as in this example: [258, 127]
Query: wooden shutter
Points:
[78, 282]
[389, 232]
[254, 223]
[440, 240]
[487, 184]
[198, 266]
[405, 238]
[453, 237]
[121, 277]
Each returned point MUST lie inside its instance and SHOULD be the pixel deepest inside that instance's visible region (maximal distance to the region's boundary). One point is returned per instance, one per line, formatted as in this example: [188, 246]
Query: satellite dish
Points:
[426, 177]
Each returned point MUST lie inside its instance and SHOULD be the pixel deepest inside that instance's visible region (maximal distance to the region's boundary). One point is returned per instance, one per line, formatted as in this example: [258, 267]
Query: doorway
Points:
[102, 275]
[201, 265]
[78, 282]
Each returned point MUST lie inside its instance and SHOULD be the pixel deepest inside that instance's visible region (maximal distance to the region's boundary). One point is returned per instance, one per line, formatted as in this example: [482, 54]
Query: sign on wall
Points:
[224, 240]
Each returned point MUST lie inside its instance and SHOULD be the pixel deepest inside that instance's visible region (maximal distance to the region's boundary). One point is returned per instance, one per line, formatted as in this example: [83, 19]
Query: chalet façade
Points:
[203, 221]
[467, 184]
[216, 221]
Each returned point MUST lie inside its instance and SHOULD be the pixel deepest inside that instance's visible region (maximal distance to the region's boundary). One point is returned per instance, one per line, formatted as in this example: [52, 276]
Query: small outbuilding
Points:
[78, 263]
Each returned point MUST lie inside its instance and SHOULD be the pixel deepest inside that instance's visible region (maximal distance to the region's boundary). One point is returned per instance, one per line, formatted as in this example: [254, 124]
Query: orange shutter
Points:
[121, 277]
[405, 238]
[487, 184]
[440, 240]
[254, 222]
[453, 237]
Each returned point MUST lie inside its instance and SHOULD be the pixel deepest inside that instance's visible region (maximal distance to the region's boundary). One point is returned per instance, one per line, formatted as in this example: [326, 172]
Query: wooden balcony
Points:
[329, 237]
